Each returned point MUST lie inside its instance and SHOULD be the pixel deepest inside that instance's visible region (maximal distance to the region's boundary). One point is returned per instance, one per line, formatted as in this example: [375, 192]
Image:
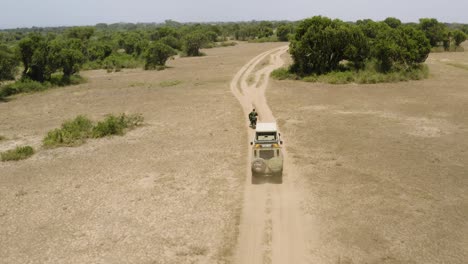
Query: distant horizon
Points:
[68, 13]
[207, 22]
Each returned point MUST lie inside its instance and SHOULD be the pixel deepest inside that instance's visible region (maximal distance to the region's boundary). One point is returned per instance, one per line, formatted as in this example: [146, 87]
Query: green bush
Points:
[264, 39]
[283, 74]
[157, 54]
[227, 44]
[18, 153]
[118, 61]
[116, 125]
[72, 133]
[26, 85]
[170, 83]
[367, 76]
[2, 137]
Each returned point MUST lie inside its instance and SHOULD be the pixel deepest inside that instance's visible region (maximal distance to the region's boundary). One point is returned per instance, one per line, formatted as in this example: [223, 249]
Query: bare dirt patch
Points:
[168, 192]
[384, 166]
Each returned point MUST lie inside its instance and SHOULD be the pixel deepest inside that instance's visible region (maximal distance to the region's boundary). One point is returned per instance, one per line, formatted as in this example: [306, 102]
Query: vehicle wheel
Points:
[256, 178]
[278, 177]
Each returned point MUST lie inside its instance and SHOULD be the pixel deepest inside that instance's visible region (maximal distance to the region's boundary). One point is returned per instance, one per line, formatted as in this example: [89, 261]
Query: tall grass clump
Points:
[283, 73]
[72, 133]
[369, 75]
[118, 61]
[19, 153]
[116, 125]
[26, 85]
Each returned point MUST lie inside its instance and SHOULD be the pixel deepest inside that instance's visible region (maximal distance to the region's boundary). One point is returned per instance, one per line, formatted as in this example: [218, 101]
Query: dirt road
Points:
[271, 224]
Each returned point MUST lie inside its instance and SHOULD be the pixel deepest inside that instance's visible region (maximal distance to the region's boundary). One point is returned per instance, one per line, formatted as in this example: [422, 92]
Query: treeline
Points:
[321, 46]
[45, 51]
[54, 56]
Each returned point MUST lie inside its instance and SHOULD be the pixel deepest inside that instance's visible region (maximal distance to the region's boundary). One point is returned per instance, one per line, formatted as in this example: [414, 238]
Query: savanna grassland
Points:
[167, 192]
[376, 173]
[383, 166]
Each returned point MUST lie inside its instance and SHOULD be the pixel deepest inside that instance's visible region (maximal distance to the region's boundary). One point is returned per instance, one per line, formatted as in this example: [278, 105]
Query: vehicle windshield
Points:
[266, 136]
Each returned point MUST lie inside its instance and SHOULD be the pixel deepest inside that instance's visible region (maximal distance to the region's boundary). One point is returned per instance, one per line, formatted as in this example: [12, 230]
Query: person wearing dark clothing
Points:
[253, 118]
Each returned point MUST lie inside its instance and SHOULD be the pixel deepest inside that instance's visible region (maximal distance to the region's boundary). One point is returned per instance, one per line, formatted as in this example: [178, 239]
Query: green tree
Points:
[66, 55]
[265, 29]
[8, 63]
[99, 50]
[283, 32]
[392, 22]
[400, 48]
[433, 30]
[459, 37]
[447, 39]
[83, 33]
[157, 54]
[320, 44]
[26, 49]
[193, 42]
[172, 42]
[133, 43]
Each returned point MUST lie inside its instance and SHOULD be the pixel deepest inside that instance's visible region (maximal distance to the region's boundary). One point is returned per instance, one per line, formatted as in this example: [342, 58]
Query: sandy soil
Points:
[373, 173]
[384, 167]
[169, 192]
[272, 227]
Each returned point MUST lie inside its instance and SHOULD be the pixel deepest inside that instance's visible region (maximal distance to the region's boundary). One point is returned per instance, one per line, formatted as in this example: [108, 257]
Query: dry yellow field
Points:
[168, 192]
[384, 168]
[375, 173]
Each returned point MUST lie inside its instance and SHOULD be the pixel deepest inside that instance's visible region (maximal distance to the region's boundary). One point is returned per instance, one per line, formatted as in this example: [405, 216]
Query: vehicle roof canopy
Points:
[266, 127]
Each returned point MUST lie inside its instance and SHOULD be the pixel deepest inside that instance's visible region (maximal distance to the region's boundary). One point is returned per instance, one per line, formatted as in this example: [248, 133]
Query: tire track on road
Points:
[271, 228]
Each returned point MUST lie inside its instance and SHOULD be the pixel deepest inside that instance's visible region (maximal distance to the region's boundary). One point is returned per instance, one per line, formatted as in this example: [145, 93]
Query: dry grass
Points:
[383, 165]
[169, 83]
[144, 198]
[459, 65]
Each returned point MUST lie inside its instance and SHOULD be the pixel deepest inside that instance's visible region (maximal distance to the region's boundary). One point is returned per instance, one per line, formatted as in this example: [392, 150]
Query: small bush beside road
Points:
[75, 132]
[18, 153]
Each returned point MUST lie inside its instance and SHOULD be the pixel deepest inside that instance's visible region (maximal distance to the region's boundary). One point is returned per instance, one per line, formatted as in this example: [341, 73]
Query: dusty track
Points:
[271, 225]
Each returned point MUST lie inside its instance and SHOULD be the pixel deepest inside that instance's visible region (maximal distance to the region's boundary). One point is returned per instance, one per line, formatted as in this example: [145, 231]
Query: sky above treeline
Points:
[42, 13]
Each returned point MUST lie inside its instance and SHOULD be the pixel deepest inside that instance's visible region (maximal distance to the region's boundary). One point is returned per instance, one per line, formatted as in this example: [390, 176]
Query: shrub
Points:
[227, 44]
[369, 75]
[8, 63]
[72, 133]
[18, 153]
[116, 125]
[118, 61]
[193, 42]
[170, 83]
[26, 85]
[283, 74]
[157, 54]
[2, 137]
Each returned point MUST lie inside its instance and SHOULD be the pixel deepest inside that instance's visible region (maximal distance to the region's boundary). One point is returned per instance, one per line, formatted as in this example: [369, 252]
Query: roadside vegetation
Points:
[19, 153]
[332, 51]
[36, 59]
[75, 132]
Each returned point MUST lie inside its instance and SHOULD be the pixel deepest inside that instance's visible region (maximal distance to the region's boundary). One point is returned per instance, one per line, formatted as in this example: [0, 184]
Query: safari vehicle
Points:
[267, 156]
